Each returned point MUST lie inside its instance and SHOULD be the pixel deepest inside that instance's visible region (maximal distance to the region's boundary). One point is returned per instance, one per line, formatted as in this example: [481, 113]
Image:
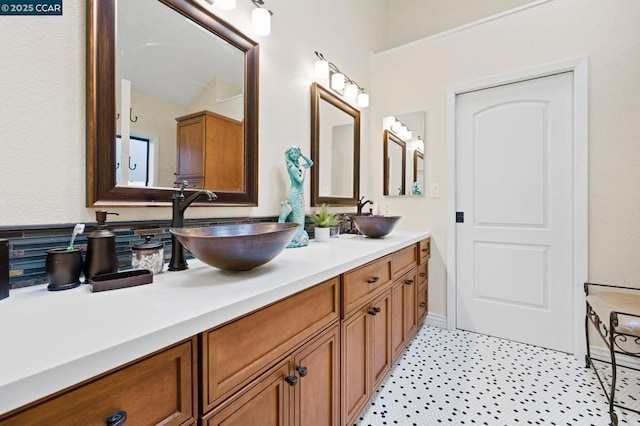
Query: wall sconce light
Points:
[400, 129]
[339, 81]
[261, 19]
[420, 144]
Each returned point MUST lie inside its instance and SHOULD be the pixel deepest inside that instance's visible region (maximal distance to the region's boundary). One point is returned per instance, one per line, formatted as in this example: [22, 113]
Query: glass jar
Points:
[148, 255]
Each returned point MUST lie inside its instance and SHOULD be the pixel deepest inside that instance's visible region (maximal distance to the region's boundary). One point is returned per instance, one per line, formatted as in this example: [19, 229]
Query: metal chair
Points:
[615, 313]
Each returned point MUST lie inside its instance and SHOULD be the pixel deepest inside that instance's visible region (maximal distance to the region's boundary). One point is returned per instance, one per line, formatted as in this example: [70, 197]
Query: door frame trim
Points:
[580, 69]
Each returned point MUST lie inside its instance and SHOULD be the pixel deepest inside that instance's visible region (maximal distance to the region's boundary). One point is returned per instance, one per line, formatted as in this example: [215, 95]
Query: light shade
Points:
[420, 145]
[387, 122]
[322, 69]
[408, 135]
[261, 21]
[396, 126]
[363, 100]
[337, 81]
[225, 4]
[351, 91]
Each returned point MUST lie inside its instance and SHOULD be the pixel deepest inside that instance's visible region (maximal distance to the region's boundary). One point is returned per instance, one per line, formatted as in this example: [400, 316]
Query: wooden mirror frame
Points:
[417, 156]
[319, 94]
[101, 112]
[394, 139]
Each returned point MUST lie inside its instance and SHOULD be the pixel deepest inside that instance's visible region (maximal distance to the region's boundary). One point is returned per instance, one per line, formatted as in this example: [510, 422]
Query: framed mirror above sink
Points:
[172, 94]
[335, 149]
[404, 132]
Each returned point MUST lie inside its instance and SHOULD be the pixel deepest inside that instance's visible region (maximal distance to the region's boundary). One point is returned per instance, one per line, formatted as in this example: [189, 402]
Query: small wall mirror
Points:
[172, 95]
[335, 149]
[395, 164]
[409, 131]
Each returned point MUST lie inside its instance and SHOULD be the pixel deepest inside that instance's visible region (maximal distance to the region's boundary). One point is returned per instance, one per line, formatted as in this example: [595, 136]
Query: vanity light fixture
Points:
[420, 144]
[340, 82]
[399, 128]
[261, 19]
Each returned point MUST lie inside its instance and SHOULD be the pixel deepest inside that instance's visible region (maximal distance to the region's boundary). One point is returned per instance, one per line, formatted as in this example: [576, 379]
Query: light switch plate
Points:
[434, 190]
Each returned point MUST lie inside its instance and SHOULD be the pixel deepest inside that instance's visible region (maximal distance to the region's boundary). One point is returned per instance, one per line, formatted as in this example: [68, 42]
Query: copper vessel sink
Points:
[375, 226]
[237, 247]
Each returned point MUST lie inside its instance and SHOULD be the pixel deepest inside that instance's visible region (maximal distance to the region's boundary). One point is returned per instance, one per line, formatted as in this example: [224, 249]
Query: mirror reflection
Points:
[395, 160]
[172, 95]
[410, 129]
[175, 91]
[335, 149]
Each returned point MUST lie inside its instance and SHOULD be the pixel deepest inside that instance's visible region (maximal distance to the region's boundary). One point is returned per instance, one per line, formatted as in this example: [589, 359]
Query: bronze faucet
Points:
[179, 203]
[361, 204]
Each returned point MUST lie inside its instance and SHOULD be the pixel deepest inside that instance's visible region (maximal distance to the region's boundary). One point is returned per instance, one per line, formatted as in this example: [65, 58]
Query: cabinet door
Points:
[265, 402]
[159, 389]
[317, 394]
[410, 293]
[355, 364]
[380, 342]
[191, 146]
[397, 319]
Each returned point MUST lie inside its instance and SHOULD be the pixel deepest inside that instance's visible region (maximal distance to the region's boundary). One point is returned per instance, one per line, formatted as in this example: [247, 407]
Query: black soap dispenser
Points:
[101, 249]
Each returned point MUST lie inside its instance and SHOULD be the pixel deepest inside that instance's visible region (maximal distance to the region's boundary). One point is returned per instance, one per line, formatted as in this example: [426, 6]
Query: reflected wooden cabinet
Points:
[210, 152]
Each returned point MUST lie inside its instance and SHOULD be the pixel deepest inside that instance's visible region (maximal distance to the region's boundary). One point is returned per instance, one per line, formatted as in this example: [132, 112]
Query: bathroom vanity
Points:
[305, 339]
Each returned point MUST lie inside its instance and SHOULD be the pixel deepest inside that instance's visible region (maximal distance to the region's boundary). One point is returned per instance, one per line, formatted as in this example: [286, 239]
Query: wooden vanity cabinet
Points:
[210, 152]
[301, 389]
[158, 389]
[404, 316]
[423, 279]
[366, 353]
[235, 356]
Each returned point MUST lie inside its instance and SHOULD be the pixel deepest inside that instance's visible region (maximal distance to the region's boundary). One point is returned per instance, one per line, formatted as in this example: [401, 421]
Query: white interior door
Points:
[514, 173]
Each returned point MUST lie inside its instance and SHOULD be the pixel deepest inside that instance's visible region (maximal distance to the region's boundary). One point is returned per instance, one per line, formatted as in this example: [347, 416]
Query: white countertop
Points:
[52, 340]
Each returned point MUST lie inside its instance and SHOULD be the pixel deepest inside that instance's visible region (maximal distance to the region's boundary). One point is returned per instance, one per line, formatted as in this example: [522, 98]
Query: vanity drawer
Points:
[404, 259]
[423, 273]
[425, 249]
[365, 281]
[159, 389]
[234, 353]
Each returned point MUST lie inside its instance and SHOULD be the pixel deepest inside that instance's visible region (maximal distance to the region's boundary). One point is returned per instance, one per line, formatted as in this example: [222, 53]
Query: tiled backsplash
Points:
[28, 245]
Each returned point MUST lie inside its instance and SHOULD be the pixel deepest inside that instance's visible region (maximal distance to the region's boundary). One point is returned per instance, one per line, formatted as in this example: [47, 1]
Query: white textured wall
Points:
[416, 77]
[42, 102]
[415, 19]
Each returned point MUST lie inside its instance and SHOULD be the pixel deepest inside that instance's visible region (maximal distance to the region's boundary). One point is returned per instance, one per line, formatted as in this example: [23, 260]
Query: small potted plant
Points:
[324, 221]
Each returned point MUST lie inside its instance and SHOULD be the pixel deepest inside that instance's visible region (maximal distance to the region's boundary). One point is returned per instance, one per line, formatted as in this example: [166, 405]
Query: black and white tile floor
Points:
[462, 378]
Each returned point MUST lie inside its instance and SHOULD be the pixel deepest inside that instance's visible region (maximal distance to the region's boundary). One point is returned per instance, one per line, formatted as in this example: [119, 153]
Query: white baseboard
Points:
[436, 320]
[598, 352]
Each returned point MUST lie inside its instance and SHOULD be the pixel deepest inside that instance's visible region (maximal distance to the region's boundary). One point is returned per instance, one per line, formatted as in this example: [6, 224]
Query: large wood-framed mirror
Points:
[335, 149]
[395, 164]
[132, 69]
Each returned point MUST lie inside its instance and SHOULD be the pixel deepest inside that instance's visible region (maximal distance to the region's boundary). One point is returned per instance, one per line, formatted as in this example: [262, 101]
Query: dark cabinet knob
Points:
[422, 304]
[292, 380]
[408, 282]
[302, 371]
[425, 250]
[423, 274]
[373, 280]
[117, 419]
[374, 311]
